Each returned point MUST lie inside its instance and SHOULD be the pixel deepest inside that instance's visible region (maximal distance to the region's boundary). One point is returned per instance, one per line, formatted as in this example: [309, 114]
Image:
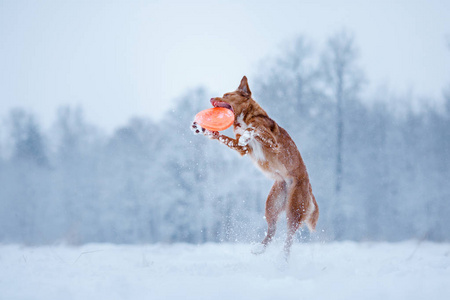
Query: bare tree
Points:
[344, 80]
[29, 142]
[290, 91]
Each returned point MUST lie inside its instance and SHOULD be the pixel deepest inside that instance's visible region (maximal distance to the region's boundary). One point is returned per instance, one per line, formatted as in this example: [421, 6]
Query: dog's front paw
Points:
[245, 138]
[197, 129]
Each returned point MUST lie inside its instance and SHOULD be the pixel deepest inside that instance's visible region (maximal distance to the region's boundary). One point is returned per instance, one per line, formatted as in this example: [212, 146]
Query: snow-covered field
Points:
[347, 270]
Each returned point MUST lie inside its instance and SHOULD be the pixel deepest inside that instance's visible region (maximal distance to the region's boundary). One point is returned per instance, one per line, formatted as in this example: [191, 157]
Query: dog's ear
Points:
[243, 87]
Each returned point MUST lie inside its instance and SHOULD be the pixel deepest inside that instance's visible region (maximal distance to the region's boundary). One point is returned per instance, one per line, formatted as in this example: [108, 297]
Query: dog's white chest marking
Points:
[258, 152]
[247, 137]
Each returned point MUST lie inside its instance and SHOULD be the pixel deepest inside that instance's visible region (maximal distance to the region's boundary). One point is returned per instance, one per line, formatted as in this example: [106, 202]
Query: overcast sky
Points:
[117, 59]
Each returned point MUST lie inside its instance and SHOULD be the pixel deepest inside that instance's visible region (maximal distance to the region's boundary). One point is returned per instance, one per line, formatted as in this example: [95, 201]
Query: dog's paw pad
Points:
[197, 129]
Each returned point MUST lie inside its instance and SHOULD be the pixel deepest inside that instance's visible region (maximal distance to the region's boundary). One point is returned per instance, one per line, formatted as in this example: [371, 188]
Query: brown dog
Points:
[275, 153]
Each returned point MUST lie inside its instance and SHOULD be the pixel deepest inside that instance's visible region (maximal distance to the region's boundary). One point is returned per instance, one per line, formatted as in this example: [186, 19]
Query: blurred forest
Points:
[380, 168]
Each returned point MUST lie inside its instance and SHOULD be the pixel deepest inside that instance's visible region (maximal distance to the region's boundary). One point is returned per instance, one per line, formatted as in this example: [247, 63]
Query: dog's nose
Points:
[212, 100]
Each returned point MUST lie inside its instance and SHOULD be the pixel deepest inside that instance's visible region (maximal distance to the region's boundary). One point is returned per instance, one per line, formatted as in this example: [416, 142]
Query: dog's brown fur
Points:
[275, 153]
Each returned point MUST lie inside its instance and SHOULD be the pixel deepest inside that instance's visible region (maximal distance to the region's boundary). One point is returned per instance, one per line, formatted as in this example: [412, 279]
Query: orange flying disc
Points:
[215, 119]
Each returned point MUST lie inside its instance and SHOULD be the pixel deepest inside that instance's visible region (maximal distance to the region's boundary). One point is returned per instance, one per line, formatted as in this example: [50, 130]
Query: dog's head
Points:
[237, 101]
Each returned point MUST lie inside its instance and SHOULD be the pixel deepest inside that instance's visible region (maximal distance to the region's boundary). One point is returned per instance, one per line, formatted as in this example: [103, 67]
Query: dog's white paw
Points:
[197, 129]
[245, 138]
[258, 249]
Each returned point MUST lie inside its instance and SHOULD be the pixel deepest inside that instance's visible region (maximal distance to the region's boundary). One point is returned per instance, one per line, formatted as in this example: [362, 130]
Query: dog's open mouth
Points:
[217, 103]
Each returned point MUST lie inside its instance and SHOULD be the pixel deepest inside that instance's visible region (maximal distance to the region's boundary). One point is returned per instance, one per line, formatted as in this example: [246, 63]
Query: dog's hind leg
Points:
[297, 210]
[275, 204]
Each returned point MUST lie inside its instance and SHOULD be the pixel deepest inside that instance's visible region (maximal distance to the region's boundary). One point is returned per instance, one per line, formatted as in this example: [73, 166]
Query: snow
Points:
[345, 270]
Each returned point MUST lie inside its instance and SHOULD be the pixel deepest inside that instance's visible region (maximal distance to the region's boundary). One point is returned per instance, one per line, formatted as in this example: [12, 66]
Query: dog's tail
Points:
[311, 222]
